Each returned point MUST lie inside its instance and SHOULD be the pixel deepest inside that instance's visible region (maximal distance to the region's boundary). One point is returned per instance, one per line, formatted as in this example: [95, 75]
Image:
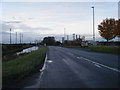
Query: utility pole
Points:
[20, 38]
[63, 39]
[64, 34]
[10, 35]
[67, 37]
[16, 37]
[73, 36]
[93, 26]
[79, 36]
[76, 37]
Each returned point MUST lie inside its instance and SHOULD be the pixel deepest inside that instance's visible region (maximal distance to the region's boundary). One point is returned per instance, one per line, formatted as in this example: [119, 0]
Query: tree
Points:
[49, 41]
[117, 28]
[107, 29]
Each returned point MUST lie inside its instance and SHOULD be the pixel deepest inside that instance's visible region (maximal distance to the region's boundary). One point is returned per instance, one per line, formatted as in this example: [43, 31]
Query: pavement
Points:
[72, 68]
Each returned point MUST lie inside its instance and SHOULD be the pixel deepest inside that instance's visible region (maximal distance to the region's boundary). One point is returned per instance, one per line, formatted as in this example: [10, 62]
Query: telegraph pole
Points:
[64, 33]
[10, 35]
[93, 26]
[16, 37]
[20, 38]
[67, 37]
[76, 37]
[73, 36]
[79, 36]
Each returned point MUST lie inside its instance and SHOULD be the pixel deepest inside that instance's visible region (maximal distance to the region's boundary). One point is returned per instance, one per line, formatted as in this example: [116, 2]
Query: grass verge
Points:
[23, 65]
[105, 49]
[71, 46]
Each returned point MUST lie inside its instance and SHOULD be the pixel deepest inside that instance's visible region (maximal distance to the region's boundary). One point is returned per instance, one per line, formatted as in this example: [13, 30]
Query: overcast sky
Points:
[38, 19]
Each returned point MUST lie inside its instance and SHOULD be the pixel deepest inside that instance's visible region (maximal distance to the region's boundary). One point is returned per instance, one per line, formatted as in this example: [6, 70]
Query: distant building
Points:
[63, 40]
[91, 42]
[76, 42]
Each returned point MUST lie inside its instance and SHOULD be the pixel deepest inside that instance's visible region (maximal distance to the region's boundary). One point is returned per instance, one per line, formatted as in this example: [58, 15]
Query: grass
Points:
[12, 48]
[23, 65]
[105, 49]
[71, 46]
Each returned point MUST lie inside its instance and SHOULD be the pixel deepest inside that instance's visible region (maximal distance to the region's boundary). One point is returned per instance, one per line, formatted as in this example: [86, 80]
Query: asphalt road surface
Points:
[72, 68]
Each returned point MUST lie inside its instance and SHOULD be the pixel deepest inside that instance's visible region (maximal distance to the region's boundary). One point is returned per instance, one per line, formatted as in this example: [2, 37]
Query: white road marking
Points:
[49, 61]
[99, 65]
[78, 57]
[70, 53]
[43, 68]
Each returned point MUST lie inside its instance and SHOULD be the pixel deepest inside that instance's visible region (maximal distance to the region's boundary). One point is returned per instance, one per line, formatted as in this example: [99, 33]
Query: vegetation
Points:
[9, 50]
[105, 49]
[12, 48]
[107, 29]
[24, 65]
[71, 46]
[50, 41]
[117, 28]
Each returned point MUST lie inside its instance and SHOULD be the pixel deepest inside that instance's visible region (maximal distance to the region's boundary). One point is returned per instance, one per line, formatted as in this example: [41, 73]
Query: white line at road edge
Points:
[41, 70]
[100, 64]
[44, 64]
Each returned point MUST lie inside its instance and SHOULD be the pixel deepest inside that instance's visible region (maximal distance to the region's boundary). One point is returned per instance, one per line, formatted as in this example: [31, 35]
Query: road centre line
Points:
[98, 64]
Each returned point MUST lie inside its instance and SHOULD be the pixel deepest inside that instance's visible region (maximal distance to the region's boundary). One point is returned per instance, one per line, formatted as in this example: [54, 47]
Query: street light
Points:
[93, 25]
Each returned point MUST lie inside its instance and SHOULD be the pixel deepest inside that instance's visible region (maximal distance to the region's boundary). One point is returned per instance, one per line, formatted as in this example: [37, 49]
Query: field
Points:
[15, 70]
[11, 48]
[8, 50]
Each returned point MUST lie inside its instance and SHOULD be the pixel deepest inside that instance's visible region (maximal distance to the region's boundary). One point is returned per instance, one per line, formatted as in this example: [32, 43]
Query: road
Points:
[72, 68]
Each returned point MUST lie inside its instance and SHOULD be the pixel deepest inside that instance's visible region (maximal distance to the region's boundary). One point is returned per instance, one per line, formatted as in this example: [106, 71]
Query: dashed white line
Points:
[99, 65]
[70, 53]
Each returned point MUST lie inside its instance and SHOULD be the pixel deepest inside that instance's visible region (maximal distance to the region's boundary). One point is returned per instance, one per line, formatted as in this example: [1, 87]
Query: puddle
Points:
[27, 50]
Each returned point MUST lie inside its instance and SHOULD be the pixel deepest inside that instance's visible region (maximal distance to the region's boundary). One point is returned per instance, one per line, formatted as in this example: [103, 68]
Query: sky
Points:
[36, 20]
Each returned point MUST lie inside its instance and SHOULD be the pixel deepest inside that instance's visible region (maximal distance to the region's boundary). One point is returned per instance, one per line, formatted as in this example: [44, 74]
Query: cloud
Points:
[6, 27]
[14, 22]
[21, 28]
[28, 28]
[6, 33]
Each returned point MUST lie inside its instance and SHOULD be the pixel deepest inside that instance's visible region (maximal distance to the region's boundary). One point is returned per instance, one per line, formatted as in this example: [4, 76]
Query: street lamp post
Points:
[93, 25]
